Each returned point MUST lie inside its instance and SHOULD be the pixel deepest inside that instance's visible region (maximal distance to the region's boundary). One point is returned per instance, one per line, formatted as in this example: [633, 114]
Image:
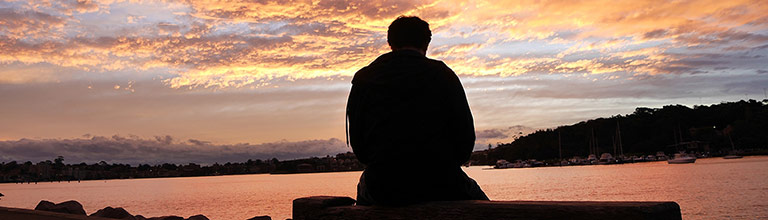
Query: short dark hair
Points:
[408, 31]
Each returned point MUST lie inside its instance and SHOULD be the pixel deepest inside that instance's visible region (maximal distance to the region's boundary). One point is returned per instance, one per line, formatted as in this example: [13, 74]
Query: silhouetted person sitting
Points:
[410, 123]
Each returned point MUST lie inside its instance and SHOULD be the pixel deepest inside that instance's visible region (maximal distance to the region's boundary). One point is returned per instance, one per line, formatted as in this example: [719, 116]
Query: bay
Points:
[711, 188]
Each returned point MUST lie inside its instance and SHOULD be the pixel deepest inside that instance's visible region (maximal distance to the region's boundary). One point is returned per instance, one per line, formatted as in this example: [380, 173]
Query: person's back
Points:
[409, 122]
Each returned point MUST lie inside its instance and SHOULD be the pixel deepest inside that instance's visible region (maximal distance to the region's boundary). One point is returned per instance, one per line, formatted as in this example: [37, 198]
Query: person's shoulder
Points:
[361, 74]
[441, 68]
[368, 70]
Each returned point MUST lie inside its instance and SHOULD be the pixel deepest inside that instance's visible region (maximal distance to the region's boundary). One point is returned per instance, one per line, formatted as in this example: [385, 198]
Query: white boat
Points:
[681, 158]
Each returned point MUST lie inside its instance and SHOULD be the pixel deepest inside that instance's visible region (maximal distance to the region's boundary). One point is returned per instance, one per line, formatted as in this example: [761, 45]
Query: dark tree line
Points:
[57, 170]
[649, 130]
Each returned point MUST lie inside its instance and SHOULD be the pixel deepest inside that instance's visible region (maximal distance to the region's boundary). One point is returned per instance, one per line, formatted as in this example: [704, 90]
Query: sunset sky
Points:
[216, 81]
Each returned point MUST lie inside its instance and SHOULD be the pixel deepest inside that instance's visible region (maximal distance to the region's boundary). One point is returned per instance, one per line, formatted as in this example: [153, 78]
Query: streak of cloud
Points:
[161, 149]
[494, 136]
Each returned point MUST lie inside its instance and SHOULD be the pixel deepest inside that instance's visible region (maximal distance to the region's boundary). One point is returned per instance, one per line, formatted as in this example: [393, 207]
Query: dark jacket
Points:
[410, 123]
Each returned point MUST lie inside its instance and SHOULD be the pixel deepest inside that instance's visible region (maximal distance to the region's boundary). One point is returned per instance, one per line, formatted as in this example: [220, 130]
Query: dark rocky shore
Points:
[75, 208]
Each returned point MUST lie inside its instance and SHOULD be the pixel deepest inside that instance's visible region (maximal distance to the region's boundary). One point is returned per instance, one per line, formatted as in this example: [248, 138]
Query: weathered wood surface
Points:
[329, 207]
[28, 214]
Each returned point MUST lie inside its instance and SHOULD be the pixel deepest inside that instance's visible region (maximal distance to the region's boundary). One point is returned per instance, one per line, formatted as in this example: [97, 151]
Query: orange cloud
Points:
[242, 43]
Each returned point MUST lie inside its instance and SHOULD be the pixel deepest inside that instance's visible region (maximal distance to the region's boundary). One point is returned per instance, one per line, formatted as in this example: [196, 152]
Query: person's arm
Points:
[355, 125]
[463, 128]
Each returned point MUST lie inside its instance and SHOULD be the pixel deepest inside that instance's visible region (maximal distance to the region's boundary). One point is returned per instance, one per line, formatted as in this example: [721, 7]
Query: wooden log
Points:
[329, 207]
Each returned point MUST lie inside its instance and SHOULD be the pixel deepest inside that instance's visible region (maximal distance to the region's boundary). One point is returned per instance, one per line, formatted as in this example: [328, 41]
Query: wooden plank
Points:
[328, 207]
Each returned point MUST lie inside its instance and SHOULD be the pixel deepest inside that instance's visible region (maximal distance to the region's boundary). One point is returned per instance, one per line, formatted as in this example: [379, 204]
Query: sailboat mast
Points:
[591, 145]
[618, 134]
[674, 135]
[596, 145]
[592, 142]
[559, 146]
[731, 140]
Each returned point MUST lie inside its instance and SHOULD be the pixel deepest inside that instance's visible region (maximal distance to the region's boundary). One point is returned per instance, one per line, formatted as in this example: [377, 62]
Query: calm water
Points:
[711, 188]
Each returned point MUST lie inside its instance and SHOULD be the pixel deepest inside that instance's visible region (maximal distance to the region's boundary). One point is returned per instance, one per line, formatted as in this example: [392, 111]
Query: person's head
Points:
[409, 33]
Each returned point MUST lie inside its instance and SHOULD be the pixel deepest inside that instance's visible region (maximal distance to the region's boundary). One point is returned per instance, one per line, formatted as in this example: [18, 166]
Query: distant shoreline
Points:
[490, 167]
[173, 177]
[57, 171]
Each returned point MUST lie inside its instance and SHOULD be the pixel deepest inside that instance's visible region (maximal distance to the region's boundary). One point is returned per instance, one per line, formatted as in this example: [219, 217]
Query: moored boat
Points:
[681, 158]
[606, 158]
[503, 164]
[592, 159]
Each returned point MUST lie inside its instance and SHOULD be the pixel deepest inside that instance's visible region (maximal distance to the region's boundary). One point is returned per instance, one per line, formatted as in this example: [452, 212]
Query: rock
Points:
[197, 217]
[173, 217]
[166, 218]
[44, 205]
[264, 217]
[116, 213]
[71, 207]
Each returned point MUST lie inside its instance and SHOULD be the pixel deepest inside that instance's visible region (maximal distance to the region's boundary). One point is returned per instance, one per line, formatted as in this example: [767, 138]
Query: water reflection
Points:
[710, 188]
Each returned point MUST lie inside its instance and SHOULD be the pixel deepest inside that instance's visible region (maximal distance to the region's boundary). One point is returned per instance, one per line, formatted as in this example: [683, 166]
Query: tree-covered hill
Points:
[646, 131]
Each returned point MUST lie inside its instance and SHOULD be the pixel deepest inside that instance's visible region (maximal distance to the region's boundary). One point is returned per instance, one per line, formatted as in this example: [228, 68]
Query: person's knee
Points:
[363, 195]
[474, 190]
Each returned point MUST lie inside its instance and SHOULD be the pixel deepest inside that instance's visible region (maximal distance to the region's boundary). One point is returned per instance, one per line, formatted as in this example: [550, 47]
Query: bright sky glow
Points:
[264, 71]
